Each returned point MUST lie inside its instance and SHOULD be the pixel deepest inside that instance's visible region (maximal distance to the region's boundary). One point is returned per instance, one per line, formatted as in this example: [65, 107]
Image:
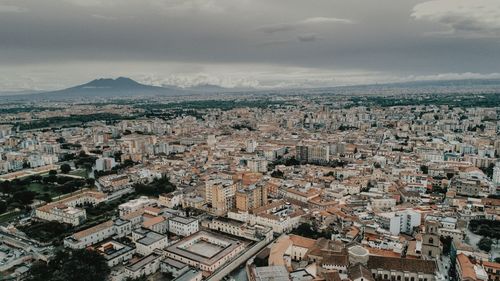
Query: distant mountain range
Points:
[126, 87]
[119, 87]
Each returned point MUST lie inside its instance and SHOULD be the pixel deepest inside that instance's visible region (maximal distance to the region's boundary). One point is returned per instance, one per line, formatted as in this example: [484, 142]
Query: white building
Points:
[149, 242]
[98, 233]
[400, 222]
[146, 266]
[105, 164]
[496, 174]
[135, 205]
[183, 226]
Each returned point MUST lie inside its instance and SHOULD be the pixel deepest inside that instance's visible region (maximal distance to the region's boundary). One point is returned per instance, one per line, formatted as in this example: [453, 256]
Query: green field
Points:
[80, 173]
[39, 189]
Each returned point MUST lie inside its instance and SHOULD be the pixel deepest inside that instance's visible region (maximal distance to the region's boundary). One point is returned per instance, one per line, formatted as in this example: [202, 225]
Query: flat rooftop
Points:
[205, 247]
[143, 262]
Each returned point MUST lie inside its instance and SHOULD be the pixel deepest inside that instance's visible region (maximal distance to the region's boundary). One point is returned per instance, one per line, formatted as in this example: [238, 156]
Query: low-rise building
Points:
[183, 226]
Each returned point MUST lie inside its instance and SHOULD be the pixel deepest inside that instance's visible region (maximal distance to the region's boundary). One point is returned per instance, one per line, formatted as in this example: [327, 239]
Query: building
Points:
[171, 200]
[176, 268]
[280, 215]
[271, 273]
[98, 233]
[257, 165]
[469, 271]
[431, 244]
[190, 275]
[114, 252]
[313, 153]
[135, 205]
[399, 222]
[145, 266]
[251, 197]
[492, 269]
[147, 241]
[401, 269]
[220, 195]
[183, 226]
[105, 164]
[66, 210]
[496, 174]
[205, 250]
[112, 183]
[240, 229]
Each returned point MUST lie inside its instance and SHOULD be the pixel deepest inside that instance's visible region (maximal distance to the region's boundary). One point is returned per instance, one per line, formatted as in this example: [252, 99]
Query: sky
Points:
[53, 44]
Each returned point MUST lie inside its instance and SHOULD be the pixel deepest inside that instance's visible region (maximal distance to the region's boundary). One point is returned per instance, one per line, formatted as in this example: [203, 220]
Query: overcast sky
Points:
[52, 44]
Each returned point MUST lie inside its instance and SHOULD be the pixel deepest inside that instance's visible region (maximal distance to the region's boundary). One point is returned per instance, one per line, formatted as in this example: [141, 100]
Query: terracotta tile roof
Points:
[152, 209]
[332, 276]
[491, 264]
[94, 229]
[466, 267]
[360, 271]
[278, 251]
[401, 265]
[132, 215]
[382, 253]
[339, 260]
[153, 221]
[301, 241]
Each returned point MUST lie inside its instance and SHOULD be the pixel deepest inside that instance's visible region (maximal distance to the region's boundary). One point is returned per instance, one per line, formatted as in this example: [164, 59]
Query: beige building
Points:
[66, 210]
[251, 197]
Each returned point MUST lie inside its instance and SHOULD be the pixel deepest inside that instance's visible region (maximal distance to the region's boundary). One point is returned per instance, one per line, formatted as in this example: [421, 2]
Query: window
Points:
[431, 240]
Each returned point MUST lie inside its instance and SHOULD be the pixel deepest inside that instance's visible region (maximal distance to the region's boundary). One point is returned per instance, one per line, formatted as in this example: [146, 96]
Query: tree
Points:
[90, 182]
[485, 244]
[52, 172]
[155, 188]
[277, 174]
[65, 168]
[446, 241]
[24, 197]
[78, 265]
[424, 169]
[3, 206]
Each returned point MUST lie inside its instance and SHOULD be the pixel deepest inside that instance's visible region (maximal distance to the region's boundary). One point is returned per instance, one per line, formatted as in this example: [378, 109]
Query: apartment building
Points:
[253, 196]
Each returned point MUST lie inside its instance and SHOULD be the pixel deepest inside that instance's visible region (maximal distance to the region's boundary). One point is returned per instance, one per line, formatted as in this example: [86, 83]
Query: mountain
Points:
[106, 88]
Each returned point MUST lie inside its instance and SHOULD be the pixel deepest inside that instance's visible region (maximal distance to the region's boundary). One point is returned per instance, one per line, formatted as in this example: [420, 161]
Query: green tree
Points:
[78, 265]
[24, 197]
[65, 168]
[3, 206]
[485, 244]
[424, 169]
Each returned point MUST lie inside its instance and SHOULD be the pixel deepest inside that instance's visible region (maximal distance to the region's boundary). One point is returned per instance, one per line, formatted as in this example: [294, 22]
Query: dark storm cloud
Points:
[274, 39]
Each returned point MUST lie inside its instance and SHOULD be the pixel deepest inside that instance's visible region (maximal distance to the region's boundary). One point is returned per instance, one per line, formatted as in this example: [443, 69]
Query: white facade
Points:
[183, 226]
[404, 221]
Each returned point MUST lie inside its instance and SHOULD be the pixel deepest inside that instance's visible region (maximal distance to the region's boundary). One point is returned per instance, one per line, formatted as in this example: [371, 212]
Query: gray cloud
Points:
[10, 9]
[307, 37]
[58, 43]
[465, 18]
[308, 22]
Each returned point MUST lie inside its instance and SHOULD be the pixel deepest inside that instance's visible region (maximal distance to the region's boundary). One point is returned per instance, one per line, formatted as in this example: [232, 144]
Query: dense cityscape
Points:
[249, 140]
[252, 186]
